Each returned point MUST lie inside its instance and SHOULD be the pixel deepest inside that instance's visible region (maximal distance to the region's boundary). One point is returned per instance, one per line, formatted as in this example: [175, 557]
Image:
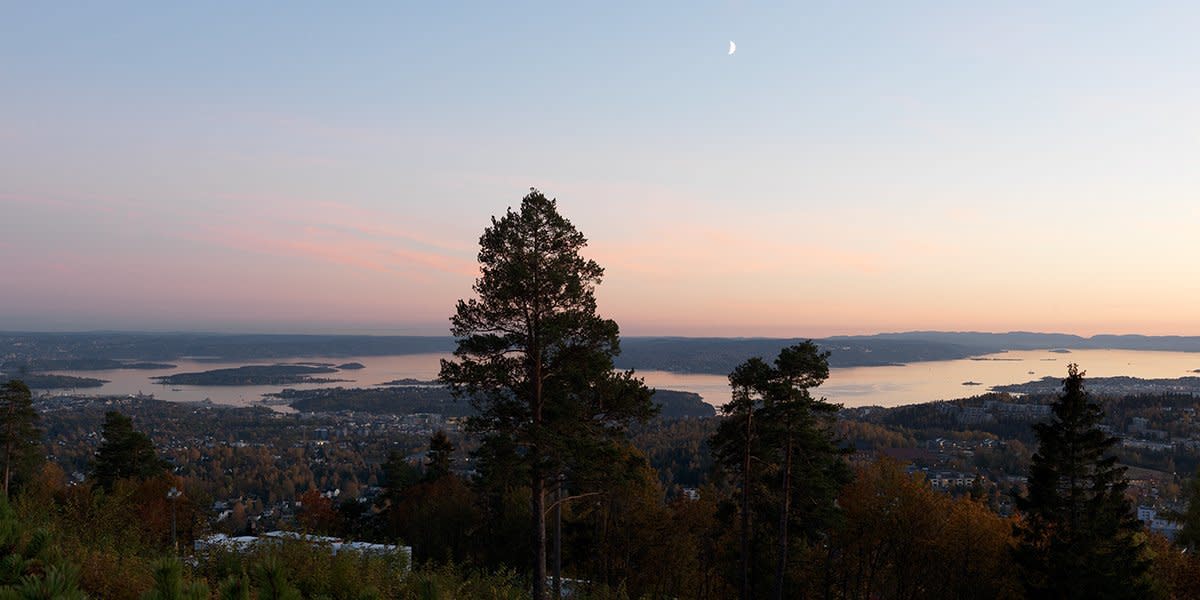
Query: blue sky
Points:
[852, 168]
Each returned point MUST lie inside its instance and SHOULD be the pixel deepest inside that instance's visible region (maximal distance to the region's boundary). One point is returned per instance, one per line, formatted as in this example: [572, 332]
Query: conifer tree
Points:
[20, 439]
[1079, 537]
[777, 441]
[124, 453]
[439, 457]
[535, 359]
[807, 457]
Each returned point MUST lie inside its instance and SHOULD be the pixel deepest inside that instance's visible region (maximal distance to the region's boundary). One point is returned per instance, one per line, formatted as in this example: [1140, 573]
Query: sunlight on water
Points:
[854, 386]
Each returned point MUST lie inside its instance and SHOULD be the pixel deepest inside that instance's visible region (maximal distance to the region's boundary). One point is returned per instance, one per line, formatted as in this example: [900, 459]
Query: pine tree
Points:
[1079, 537]
[736, 447]
[777, 440]
[20, 439]
[806, 453]
[534, 357]
[169, 583]
[271, 581]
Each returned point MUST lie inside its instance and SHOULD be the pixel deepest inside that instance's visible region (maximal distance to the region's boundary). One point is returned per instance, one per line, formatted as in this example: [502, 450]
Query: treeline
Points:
[437, 399]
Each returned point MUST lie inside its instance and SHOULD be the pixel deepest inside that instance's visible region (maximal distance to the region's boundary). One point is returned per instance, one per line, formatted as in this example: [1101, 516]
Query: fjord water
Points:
[853, 386]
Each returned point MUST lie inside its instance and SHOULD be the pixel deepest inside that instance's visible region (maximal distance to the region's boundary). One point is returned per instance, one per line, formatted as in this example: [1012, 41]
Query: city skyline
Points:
[848, 170]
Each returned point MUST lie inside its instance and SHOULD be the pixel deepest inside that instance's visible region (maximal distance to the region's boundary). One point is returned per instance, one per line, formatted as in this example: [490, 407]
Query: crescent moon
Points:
[732, 47]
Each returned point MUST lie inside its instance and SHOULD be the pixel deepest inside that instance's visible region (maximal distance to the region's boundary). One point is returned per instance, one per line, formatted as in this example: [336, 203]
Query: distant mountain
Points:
[228, 347]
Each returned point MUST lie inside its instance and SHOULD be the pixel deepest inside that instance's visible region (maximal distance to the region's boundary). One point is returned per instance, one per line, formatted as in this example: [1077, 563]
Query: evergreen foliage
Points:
[777, 440]
[125, 453]
[439, 457]
[29, 565]
[20, 439]
[169, 583]
[1079, 537]
[534, 357]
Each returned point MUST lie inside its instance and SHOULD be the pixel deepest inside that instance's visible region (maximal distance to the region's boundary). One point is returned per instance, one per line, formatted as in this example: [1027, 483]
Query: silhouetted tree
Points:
[778, 441]
[1079, 537]
[439, 457]
[736, 446]
[799, 432]
[20, 439]
[534, 357]
[125, 452]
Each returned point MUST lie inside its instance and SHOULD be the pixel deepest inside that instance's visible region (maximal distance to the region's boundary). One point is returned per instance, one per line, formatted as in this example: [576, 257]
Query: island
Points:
[1121, 385]
[44, 381]
[410, 381]
[281, 374]
[351, 366]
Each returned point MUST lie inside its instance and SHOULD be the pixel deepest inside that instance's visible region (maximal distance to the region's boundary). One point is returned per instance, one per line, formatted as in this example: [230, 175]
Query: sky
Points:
[852, 168]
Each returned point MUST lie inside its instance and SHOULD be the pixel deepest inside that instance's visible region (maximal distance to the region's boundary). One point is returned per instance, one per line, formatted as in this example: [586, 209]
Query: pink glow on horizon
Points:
[280, 260]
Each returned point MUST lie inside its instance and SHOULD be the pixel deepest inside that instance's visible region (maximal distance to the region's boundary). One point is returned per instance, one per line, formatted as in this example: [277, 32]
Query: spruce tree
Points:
[124, 453]
[1079, 537]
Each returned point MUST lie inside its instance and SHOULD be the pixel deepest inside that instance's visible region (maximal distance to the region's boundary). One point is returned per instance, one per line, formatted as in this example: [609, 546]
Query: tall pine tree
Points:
[1079, 537]
[536, 360]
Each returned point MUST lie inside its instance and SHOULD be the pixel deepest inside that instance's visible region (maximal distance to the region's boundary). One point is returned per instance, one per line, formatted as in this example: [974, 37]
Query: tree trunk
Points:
[8, 443]
[781, 568]
[539, 535]
[539, 482]
[558, 499]
[746, 512]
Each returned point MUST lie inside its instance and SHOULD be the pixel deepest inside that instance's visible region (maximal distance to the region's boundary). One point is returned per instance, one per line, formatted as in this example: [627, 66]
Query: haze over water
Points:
[852, 386]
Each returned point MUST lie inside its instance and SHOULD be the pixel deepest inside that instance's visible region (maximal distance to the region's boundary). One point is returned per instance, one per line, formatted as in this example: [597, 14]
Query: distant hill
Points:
[1026, 340]
[677, 354]
[217, 346]
[721, 355]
